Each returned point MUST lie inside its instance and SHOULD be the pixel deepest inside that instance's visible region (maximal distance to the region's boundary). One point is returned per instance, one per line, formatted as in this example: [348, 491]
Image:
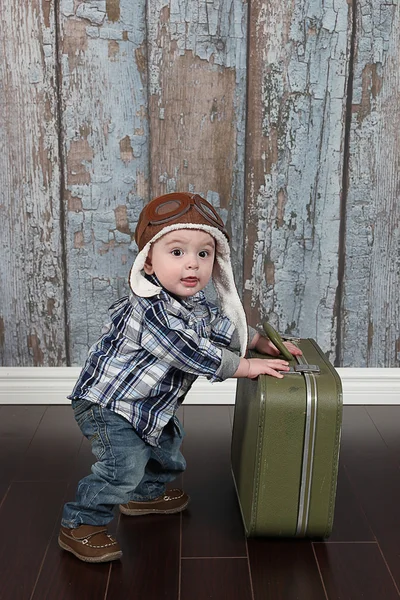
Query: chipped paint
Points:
[2, 335]
[79, 158]
[106, 152]
[297, 71]
[197, 83]
[141, 61]
[121, 219]
[74, 42]
[113, 50]
[73, 203]
[113, 10]
[370, 306]
[46, 12]
[32, 325]
[79, 241]
[125, 149]
[33, 343]
[204, 130]
[371, 86]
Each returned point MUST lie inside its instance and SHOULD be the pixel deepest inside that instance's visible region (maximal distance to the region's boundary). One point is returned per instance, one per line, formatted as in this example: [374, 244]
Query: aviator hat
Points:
[188, 211]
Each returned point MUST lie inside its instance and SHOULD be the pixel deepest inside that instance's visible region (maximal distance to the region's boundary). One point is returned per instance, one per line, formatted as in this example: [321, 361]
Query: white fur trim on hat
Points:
[222, 276]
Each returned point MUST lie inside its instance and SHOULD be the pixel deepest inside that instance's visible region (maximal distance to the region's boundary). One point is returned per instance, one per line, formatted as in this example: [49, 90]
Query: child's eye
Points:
[203, 253]
[177, 252]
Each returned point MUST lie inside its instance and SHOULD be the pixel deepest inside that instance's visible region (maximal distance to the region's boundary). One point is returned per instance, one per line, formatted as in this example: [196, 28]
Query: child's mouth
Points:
[190, 281]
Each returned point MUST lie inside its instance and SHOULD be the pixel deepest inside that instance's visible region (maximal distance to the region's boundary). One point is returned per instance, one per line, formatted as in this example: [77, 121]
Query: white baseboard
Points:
[51, 385]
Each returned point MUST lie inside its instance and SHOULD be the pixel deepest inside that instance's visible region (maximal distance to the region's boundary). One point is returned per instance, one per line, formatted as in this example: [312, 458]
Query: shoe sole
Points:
[132, 512]
[91, 559]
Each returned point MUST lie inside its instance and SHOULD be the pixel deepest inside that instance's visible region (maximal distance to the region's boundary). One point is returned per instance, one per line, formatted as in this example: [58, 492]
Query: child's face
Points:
[182, 260]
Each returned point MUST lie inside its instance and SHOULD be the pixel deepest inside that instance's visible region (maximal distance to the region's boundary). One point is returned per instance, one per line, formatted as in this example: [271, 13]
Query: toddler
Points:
[158, 341]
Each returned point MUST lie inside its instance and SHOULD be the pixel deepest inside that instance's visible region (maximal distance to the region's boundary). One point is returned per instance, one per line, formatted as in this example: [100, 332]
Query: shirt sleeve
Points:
[229, 364]
[223, 331]
[168, 338]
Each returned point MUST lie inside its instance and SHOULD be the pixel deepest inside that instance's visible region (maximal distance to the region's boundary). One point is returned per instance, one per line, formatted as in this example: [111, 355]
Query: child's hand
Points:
[265, 366]
[265, 346]
[253, 367]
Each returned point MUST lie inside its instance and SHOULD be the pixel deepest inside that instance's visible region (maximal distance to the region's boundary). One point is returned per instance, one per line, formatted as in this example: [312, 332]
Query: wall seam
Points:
[147, 45]
[246, 152]
[344, 195]
[60, 138]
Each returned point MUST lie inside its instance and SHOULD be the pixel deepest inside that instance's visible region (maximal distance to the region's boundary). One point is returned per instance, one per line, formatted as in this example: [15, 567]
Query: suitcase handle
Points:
[277, 341]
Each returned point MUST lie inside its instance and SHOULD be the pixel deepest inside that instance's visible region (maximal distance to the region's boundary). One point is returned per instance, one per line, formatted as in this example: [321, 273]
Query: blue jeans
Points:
[127, 468]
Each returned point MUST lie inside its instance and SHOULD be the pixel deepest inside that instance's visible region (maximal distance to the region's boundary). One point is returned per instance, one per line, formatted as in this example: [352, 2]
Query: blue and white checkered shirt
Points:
[151, 352]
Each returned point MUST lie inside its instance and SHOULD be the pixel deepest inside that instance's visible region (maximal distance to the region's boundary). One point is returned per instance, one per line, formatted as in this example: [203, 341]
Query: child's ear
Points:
[148, 266]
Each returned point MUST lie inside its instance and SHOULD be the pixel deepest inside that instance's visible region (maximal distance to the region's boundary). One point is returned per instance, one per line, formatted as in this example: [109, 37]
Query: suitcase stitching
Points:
[332, 495]
[303, 517]
[336, 459]
[259, 446]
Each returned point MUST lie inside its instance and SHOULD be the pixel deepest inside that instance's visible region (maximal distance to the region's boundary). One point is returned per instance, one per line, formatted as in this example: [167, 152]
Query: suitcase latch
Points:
[302, 369]
[290, 338]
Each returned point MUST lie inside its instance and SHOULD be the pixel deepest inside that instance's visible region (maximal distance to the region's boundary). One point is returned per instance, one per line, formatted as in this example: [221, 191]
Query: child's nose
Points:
[192, 262]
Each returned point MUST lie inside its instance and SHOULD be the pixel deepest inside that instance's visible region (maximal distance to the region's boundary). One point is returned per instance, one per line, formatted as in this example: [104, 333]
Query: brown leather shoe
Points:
[89, 543]
[173, 501]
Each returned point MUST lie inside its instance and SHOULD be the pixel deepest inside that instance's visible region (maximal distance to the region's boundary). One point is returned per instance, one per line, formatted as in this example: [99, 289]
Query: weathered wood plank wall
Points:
[32, 318]
[197, 77]
[297, 77]
[371, 308]
[105, 149]
[108, 103]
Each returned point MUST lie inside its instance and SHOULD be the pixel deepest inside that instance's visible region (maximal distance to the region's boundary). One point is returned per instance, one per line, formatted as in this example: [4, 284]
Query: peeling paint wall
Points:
[32, 323]
[255, 105]
[370, 309]
[297, 77]
[105, 145]
[197, 98]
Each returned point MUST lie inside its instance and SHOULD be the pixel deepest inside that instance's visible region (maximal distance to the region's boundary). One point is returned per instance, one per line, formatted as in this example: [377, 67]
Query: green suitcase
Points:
[285, 446]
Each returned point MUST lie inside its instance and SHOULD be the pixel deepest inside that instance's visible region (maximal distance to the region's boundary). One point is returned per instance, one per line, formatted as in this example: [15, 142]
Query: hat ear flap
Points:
[224, 284]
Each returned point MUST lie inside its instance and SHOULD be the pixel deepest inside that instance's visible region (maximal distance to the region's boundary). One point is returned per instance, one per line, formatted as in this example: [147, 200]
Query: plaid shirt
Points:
[149, 355]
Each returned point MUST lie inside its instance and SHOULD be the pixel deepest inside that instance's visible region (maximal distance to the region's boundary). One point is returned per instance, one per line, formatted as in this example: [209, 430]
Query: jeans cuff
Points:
[148, 498]
[69, 524]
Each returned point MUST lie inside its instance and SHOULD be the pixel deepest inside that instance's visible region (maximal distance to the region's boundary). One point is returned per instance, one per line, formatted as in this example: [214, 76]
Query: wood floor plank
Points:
[349, 522]
[19, 421]
[387, 421]
[212, 525]
[54, 448]
[12, 453]
[367, 506]
[284, 570]
[149, 567]
[375, 478]
[64, 577]
[231, 414]
[3, 491]
[354, 572]
[28, 516]
[360, 438]
[217, 578]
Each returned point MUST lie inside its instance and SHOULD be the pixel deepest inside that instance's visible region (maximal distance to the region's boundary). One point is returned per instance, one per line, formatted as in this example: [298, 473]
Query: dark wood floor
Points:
[202, 553]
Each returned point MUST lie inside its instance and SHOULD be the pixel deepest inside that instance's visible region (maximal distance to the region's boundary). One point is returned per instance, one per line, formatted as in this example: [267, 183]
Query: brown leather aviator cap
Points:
[170, 209]
[181, 210]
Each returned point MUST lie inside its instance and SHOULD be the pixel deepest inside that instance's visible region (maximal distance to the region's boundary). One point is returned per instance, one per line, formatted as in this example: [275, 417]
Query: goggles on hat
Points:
[171, 207]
